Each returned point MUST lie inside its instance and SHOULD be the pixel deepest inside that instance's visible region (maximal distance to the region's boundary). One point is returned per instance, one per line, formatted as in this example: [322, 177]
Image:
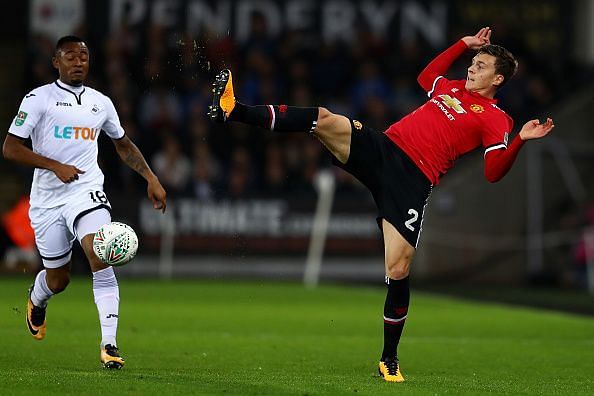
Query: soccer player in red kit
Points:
[401, 165]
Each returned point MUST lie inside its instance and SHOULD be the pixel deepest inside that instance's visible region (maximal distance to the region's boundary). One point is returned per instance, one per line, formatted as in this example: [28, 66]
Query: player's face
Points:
[72, 61]
[481, 74]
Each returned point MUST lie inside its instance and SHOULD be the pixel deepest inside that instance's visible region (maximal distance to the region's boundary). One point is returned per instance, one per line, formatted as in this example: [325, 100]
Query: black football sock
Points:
[277, 118]
[395, 311]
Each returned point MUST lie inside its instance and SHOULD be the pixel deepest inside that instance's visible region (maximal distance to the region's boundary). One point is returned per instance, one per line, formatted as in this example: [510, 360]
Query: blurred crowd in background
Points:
[160, 83]
[158, 66]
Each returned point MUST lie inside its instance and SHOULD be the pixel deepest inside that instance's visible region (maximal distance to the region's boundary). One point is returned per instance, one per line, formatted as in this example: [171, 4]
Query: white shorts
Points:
[57, 228]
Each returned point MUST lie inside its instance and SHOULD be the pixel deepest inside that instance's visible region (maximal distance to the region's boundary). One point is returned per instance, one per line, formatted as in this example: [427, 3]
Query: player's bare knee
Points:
[333, 130]
[398, 272]
[323, 113]
[398, 268]
[324, 118]
[58, 284]
[96, 264]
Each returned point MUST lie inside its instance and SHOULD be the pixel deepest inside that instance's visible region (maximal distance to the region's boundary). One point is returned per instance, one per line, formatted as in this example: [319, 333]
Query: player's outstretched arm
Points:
[499, 162]
[482, 37]
[14, 149]
[132, 157]
[440, 65]
[533, 129]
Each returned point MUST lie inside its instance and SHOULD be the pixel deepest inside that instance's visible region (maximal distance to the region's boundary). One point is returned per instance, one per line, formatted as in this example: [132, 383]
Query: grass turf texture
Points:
[186, 337]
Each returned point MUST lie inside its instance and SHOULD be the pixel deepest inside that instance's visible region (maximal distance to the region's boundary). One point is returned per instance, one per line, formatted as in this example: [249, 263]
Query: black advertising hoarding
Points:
[259, 225]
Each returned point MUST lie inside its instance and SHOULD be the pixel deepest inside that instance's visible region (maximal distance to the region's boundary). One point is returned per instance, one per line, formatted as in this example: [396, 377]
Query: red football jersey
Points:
[452, 123]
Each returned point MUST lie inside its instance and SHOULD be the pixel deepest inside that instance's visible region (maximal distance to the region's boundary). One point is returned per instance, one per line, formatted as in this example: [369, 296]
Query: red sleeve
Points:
[498, 162]
[440, 65]
[496, 129]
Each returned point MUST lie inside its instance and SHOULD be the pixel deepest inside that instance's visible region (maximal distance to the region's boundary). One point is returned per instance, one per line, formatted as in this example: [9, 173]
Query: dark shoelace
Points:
[392, 366]
[37, 315]
[112, 350]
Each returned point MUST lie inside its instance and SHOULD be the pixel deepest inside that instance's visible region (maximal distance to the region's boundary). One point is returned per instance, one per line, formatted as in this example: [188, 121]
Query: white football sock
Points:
[41, 291]
[107, 299]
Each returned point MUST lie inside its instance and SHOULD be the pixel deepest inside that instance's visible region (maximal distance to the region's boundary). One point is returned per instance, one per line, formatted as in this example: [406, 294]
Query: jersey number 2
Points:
[98, 197]
[415, 217]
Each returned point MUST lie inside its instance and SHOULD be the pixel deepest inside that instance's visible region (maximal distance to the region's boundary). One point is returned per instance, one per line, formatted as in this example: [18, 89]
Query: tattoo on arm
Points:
[132, 157]
[135, 160]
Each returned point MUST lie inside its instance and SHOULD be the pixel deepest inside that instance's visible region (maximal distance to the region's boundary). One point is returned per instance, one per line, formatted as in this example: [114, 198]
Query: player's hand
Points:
[66, 173]
[533, 129]
[483, 37]
[156, 193]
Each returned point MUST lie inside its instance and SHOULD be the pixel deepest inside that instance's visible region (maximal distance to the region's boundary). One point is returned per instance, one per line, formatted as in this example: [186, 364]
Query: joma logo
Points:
[63, 104]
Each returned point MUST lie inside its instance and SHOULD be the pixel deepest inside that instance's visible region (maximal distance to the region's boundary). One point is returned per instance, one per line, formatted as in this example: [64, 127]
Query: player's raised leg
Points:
[105, 288]
[398, 256]
[333, 130]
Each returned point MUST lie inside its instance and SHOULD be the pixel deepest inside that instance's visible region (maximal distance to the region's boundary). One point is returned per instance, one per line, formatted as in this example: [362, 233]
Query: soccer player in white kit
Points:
[63, 120]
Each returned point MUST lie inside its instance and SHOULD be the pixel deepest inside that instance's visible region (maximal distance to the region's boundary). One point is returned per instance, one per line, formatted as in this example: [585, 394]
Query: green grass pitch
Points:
[266, 338]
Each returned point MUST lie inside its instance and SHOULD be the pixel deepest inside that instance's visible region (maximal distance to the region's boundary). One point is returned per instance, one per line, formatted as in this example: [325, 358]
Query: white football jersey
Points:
[64, 123]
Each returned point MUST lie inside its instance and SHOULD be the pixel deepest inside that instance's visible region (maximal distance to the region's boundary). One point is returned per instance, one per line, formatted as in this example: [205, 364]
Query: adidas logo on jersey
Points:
[64, 104]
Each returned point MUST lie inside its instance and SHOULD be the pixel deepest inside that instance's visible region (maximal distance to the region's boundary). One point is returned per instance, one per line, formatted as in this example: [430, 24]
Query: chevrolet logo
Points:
[452, 103]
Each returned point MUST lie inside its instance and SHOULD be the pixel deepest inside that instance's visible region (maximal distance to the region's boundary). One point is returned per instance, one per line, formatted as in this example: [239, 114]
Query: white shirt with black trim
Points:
[64, 123]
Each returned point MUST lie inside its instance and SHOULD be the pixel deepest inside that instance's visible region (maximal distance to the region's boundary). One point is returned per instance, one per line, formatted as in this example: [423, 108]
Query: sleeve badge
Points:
[20, 118]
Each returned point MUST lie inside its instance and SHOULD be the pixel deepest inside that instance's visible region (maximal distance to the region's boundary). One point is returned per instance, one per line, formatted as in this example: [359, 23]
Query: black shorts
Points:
[398, 186]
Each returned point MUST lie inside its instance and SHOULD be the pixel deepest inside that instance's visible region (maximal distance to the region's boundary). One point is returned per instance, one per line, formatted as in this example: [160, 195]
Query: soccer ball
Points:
[115, 243]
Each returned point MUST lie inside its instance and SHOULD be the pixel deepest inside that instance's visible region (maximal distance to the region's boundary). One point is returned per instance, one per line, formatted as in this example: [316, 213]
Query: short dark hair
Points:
[505, 63]
[68, 39]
